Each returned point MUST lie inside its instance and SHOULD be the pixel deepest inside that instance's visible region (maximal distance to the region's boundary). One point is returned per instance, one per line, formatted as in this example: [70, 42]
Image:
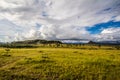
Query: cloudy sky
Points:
[59, 19]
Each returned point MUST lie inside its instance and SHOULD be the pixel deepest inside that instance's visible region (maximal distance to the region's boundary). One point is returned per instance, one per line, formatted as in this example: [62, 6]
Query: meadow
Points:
[58, 63]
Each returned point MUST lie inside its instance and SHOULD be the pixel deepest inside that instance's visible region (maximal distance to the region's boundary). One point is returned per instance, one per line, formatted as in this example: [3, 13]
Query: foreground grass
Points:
[59, 64]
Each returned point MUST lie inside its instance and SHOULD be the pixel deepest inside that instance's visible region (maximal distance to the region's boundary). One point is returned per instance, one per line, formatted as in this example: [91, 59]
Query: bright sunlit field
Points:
[59, 64]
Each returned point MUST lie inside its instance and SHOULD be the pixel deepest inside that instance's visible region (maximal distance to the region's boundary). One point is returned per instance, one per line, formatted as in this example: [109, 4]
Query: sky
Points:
[97, 20]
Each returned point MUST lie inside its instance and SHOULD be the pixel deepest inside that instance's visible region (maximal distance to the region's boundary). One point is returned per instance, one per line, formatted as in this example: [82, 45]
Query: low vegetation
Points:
[63, 62]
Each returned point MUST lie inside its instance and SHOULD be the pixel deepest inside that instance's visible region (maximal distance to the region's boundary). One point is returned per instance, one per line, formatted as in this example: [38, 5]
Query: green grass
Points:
[59, 64]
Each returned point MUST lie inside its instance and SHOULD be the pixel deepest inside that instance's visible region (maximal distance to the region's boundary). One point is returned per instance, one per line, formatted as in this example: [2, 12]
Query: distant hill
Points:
[91, 42]
[37, 41]
[105, 42]
[66, 41]
[84, 41]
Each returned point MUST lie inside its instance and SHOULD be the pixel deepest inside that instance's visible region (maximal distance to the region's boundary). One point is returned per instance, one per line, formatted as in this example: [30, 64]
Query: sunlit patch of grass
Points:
[60, 64]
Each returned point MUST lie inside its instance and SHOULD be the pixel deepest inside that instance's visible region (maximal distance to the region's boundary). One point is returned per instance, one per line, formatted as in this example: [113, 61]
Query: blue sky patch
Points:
[99, 27]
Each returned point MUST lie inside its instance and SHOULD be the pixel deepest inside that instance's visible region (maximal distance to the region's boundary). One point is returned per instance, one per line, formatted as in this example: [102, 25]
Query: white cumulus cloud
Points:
[57, 19]
[109, 34]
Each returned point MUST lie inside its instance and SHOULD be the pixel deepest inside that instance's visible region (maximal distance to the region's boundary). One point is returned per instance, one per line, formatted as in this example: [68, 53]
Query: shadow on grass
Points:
[32, 61]
[7, 75]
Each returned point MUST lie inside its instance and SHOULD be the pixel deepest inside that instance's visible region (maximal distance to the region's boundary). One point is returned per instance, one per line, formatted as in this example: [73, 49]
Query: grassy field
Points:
[59, 64]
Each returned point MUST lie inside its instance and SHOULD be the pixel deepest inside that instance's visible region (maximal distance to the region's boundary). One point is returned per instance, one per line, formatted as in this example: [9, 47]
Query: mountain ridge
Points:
[65, 41]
